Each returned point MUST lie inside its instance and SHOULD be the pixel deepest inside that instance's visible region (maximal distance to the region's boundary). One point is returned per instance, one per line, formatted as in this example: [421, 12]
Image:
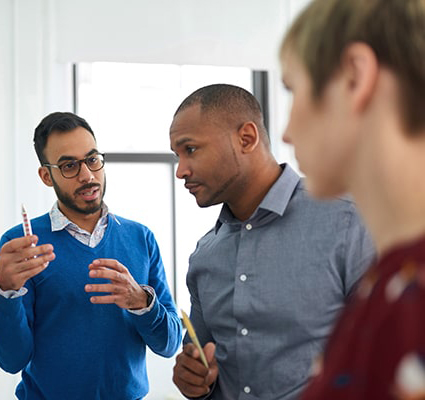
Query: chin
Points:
[204, 203]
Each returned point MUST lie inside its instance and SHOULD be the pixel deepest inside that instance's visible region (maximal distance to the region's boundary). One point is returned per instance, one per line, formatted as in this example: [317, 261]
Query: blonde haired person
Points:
[356, 69]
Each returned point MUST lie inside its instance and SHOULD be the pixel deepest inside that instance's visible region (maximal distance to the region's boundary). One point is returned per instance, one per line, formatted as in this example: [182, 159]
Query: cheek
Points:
[299, 124]
[327, 167]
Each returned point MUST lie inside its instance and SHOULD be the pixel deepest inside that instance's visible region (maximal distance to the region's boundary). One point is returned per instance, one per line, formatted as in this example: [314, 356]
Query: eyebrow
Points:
[182, 141]
[67, 158]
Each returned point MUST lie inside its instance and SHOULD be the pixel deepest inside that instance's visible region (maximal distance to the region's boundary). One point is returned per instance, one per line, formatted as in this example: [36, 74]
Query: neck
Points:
[83, 221]
[254, 188]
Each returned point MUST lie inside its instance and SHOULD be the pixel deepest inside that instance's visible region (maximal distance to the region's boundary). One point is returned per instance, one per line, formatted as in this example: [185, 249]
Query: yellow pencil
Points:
[194, 338]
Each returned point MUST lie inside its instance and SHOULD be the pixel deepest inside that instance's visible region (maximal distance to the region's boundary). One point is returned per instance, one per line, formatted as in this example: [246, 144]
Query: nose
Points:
[286, 137]
[182, 170]
[85, 174]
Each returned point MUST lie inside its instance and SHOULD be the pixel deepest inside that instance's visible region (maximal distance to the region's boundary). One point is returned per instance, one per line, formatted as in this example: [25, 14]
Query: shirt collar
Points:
[275, 201]
[59, 221]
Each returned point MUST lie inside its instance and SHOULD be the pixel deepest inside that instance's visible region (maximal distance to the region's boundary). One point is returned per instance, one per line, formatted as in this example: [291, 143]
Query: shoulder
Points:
[343, 203]
[130, 227]
[206, 241]
[127, 223]
[338, 209]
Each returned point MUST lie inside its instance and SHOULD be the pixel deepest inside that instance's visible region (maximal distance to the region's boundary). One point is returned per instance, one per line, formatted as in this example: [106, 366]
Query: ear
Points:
[360, 68]
[248, 136]
[44, 174]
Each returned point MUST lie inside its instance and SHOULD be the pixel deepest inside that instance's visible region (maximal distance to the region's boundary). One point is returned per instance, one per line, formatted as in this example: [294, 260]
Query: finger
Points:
[190, 383]
[18, 280]
[191, 370]
[189, 348]
[209, 350]
[24, 254]
[31, 252]
[191, 360]
[31, 263]
[103, 288]
[108, 262]
[29, 273]
[17, 244]
[109, 299]
[107, 274]
[190, 390]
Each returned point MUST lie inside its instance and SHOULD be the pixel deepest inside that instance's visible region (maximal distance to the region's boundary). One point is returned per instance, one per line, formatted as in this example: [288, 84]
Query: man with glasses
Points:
[81, 298]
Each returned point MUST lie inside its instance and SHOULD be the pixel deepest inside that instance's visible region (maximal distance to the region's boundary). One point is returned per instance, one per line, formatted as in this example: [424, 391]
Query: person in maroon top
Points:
[356, 70]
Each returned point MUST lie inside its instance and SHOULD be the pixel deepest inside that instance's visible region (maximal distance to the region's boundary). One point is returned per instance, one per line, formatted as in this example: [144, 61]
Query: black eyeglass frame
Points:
[84, 160]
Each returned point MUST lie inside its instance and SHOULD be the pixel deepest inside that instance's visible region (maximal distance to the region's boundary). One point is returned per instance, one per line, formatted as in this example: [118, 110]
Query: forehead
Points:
[290, 64]
[187, 123]
[75, 143]
[188, 117]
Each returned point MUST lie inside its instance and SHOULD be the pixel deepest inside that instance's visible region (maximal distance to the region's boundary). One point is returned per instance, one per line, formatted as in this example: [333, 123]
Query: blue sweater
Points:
[69, 348]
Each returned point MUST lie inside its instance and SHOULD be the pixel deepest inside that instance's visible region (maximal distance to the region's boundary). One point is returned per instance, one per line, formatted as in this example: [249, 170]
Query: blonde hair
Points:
[394, 29]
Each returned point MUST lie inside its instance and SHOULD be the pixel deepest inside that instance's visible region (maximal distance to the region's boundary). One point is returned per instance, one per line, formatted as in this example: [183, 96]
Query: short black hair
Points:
[56, 122]
[231, 102]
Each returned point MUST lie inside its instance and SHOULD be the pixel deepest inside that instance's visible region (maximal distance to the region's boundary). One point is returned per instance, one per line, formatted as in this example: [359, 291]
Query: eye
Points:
[68, 166]
[190, 149]
[93, 160]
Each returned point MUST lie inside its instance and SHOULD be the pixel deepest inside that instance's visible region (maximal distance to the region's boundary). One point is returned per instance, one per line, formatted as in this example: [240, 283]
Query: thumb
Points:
[209, 350]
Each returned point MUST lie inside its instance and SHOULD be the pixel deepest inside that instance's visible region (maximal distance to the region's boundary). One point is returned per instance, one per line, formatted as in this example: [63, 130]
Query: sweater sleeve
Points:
[16, 336]
[160, 328]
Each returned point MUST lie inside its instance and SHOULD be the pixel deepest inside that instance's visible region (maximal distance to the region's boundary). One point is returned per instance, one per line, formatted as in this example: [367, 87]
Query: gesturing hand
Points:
[124, 291]
[20, 260]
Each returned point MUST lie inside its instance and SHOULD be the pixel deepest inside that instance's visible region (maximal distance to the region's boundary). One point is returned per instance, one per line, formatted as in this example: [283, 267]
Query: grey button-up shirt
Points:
[267, 290]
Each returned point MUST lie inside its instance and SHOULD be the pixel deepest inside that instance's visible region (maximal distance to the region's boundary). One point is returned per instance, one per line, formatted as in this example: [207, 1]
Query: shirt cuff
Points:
[13, 294]
[151, 300]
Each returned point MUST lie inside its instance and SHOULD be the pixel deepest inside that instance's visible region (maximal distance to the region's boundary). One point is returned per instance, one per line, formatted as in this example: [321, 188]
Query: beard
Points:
[91, 207]
[219, 196]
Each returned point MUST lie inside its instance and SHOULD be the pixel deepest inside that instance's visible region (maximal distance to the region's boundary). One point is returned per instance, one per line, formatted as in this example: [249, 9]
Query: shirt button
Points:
[243, 277]
[247, 389]
[248, 227]
[244, 331]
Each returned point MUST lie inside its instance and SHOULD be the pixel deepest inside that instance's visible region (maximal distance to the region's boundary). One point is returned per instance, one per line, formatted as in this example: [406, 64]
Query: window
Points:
[130, 108]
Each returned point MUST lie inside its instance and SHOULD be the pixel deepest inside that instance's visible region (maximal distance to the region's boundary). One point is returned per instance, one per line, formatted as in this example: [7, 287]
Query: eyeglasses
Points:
[71, 168]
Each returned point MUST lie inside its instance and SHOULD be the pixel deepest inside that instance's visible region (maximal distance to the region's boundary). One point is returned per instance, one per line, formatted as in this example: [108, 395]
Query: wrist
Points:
[146, 298]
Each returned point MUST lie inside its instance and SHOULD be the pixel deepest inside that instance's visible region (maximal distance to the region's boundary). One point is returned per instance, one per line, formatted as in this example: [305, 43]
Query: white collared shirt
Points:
[59, 221]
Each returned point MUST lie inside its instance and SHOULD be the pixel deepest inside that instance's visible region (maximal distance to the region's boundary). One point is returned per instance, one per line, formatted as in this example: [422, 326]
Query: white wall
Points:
[6, 107]
[39, 39]
[32, 85]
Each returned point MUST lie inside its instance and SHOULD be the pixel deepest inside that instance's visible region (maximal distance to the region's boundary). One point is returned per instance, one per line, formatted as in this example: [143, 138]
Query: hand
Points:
[190, 375]
[20, 260]
[124, 291]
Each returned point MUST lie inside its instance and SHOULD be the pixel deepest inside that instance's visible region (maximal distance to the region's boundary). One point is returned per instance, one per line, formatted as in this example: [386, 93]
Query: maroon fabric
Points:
[378, 345]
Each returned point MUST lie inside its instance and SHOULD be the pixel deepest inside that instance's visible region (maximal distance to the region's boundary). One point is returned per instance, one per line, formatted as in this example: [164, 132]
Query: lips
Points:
[192, 186]
[90, 193]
